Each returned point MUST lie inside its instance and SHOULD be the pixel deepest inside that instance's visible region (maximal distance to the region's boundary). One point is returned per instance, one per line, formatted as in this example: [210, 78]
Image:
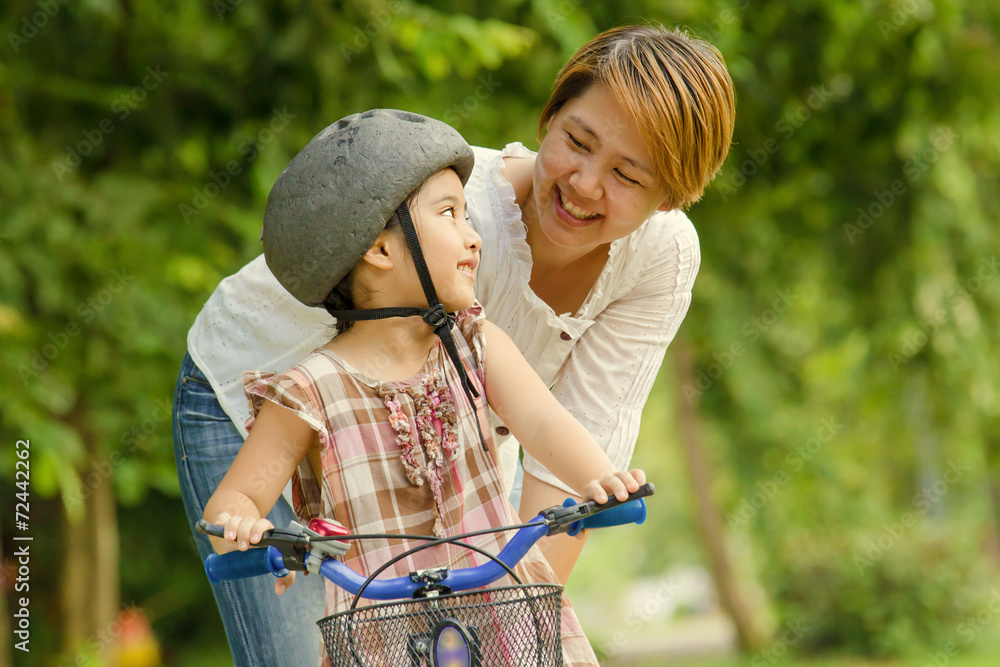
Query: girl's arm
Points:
[276, 445]
[544, 428]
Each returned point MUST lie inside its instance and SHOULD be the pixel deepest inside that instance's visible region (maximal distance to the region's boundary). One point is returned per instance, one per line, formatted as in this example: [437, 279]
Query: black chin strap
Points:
[435, 315]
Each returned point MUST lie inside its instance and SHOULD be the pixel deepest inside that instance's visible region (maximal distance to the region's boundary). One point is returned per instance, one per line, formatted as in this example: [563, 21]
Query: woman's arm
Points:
[544, 427]
[276, 445]
[561, 551]
[251, 321]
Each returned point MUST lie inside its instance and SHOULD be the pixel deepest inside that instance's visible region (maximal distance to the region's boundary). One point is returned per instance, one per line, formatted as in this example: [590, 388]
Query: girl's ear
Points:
[384, 252]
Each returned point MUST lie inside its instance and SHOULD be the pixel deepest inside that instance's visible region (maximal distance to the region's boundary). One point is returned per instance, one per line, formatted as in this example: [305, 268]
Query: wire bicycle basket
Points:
[513, 625]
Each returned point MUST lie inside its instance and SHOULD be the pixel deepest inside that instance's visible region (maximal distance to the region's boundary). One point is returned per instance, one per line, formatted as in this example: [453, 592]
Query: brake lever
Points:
[559, 518]
[294, 543]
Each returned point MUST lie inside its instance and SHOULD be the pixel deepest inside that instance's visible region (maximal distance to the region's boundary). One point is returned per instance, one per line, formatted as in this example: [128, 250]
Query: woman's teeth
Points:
[575, 210]
[466, 268]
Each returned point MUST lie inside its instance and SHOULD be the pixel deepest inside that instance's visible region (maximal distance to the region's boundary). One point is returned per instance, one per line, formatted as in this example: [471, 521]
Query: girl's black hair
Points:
[340, 299]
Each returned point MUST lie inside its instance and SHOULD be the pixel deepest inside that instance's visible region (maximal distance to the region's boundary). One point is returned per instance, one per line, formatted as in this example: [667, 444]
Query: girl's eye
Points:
[575, 142]
[449, 211]
[626, 178]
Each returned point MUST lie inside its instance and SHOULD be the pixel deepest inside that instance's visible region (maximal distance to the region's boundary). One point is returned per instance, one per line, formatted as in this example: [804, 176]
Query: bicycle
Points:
[446, 621]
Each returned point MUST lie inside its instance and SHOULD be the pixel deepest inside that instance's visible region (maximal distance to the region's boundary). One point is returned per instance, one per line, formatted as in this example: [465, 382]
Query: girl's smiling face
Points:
[593, 177]
[449, 245]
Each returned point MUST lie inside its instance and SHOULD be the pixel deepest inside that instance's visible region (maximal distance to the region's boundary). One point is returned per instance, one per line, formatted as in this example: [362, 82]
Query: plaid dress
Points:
[404, 457]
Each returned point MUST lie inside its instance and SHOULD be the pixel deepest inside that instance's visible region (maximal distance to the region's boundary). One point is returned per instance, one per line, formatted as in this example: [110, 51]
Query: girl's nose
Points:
[473, 240]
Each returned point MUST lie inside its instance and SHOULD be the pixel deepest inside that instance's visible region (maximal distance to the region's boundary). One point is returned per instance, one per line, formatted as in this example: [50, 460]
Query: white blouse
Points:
[600, 363]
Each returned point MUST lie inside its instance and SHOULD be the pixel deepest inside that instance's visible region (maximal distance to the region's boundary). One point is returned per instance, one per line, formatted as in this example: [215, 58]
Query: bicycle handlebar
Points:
[633, 511]
[252, 563]
[571, 518]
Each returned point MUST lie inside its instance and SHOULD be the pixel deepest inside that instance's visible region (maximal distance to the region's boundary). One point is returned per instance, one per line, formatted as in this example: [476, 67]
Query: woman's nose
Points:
[586, 180]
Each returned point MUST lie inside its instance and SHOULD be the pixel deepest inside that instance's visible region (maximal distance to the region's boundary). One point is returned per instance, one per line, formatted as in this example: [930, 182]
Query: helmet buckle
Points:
[436, 316]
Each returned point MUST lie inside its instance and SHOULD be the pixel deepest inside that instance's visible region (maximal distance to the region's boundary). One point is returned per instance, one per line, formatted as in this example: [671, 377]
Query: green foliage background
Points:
[841, 320]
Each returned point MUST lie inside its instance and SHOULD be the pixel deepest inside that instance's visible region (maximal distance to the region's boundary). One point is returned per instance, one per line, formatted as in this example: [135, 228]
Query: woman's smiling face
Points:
[593, 177]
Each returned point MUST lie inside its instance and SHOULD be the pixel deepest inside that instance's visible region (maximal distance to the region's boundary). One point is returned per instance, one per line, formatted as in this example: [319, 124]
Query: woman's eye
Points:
[449, 211]
[575, 142]
[626, 178]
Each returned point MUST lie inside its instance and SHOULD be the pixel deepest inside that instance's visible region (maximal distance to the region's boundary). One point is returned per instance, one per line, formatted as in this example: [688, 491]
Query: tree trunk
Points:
[708, 516]
[993, 530]
[75, 582]
[991, 452]
[107, 598]
[90, 587]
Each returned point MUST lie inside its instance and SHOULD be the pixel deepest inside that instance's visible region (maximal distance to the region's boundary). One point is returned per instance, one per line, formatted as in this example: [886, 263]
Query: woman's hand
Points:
[618, 484]
[247, 530]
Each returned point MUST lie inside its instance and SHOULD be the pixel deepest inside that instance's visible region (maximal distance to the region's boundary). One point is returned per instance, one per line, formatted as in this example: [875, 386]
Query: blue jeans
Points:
[263, 630]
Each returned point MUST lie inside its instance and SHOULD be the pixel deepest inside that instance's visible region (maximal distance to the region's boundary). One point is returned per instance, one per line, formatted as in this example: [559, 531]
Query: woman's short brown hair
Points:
[676, 89]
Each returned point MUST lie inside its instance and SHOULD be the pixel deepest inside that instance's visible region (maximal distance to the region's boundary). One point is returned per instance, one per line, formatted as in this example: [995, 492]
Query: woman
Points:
[587, 264]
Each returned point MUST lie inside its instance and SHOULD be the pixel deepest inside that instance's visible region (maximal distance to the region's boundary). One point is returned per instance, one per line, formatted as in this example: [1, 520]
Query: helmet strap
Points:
[435, 315]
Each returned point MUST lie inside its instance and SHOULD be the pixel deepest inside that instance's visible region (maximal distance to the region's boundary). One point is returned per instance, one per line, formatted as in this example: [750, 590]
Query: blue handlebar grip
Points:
[243, 564]
[630, 512]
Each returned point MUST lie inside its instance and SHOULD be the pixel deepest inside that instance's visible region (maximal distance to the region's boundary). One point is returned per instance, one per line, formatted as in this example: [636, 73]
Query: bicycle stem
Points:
[457, 580]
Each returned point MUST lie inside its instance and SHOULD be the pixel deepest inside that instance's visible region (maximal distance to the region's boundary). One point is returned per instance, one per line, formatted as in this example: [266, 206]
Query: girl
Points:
[394, 443]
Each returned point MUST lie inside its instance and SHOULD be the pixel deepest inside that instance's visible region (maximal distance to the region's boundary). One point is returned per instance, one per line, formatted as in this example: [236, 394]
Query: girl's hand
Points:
[618, 484]
[246, 530]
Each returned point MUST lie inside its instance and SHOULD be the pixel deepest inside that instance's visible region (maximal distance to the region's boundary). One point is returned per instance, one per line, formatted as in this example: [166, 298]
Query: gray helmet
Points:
[336, 196]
